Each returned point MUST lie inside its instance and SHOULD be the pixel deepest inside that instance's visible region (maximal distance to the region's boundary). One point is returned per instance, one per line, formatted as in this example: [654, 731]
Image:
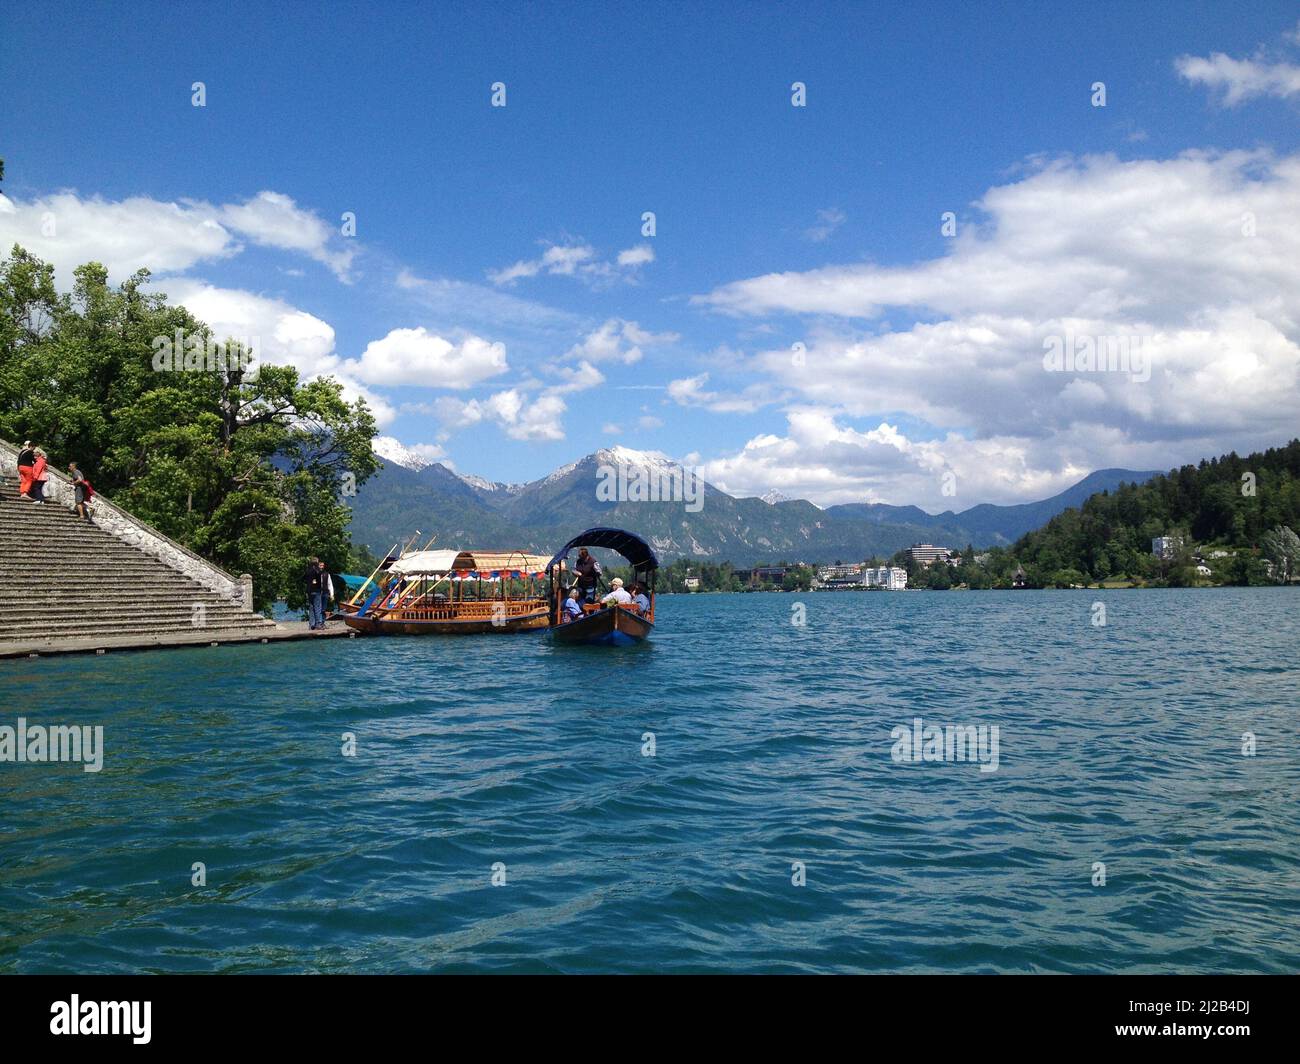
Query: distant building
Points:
[691, 583]
[1165, 547]
[1018, 578]
[888, 577]
[763, 574]
[839, 576]
[928, 554]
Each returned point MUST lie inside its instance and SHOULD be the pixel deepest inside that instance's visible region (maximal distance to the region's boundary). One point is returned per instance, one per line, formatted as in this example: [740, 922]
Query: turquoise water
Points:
[1118, 744]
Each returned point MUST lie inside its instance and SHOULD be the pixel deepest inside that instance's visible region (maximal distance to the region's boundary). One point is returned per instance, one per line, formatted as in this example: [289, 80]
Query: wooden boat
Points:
[450, 592]
[603, 625]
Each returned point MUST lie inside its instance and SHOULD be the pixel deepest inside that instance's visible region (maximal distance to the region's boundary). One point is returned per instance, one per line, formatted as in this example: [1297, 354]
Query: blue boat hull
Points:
[611, 627]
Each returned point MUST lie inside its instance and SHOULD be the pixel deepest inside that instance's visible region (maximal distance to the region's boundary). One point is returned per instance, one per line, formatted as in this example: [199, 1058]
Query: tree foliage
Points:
[244, 466]
[1229, 502]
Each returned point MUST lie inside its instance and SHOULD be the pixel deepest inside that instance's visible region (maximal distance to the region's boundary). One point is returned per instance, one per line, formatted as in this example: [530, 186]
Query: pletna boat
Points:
[451, 592]
[606, 625]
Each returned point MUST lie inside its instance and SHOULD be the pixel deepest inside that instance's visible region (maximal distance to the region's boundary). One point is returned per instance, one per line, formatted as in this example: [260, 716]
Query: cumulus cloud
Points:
[827, 462]
[272, 219]
[519, 416]
[617, 341]
[1193, 261]
[68, 230]
[637, 256]
[277, 332]
[1238, 80]
[577, 378]
[418, 357]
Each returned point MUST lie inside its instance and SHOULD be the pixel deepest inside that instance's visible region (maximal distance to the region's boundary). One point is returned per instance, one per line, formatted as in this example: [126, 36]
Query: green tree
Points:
[247, 468]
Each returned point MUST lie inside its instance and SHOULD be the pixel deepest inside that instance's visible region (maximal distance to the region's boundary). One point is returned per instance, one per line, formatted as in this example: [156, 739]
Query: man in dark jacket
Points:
[588, 570]
[319, 588]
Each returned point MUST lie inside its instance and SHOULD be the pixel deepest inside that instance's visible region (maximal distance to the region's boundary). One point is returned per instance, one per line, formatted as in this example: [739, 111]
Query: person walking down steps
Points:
[82, 490]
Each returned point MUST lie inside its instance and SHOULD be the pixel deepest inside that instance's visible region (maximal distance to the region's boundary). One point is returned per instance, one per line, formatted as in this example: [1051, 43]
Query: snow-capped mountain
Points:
[471, 511]
[490, 486]
[391, 450]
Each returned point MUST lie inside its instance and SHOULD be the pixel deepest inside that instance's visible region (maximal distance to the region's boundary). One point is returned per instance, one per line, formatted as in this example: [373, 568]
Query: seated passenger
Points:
[617, 595]
[572, 605]
[639, 598]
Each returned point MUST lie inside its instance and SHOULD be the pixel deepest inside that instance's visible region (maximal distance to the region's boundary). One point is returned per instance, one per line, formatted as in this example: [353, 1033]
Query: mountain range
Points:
[410, 493]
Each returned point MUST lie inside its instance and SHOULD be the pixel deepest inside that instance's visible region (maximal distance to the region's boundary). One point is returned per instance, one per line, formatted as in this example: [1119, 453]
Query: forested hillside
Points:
[1243, 511]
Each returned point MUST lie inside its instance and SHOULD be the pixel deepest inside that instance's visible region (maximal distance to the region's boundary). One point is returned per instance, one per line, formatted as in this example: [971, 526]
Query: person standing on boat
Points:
[572, 607]
[317, 583]
[617, 595]
[26, 458]
[588, 570]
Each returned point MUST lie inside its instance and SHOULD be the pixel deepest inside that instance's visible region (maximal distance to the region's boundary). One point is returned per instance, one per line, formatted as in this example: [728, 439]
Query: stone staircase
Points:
[63, 579]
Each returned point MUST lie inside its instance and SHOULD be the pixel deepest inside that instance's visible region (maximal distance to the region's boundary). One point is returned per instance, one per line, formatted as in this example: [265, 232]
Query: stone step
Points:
[26, 633]
[131, 624]
[64, 578]
[9, 612]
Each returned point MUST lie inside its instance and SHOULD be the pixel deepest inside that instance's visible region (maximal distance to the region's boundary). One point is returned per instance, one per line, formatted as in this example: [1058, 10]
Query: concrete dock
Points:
[281, 632]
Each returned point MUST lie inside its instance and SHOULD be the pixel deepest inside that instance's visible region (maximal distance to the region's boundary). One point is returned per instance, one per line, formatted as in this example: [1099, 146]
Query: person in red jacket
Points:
[40, 475]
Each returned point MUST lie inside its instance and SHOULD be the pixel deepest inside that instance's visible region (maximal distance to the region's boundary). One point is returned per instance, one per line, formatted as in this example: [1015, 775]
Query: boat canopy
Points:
[423, 562]
[636, 550]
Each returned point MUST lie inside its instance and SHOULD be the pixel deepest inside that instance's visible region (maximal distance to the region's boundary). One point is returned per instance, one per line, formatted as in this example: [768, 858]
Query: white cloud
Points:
[272, 219]
[418, 357]
[1239, 80]
[826, 462]
[277, 332]
[577, 378]
[690, 391]
[68, 230]
[617, 341]
[1196, 257]
[518, 415]
[637, 256]
[828, 221]
[575, 260]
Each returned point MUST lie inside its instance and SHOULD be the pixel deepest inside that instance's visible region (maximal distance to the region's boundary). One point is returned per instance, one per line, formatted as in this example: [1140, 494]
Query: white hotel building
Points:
[886, 577]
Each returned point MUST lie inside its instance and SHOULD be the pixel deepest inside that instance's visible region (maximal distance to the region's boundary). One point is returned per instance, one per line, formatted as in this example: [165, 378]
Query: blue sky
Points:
[482, 304]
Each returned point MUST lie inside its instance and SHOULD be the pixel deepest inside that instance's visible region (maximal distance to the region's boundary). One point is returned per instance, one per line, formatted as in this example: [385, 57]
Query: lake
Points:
[502, 810]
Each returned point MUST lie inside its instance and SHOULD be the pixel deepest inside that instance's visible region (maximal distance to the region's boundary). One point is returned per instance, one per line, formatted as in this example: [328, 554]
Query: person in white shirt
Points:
[618, 594]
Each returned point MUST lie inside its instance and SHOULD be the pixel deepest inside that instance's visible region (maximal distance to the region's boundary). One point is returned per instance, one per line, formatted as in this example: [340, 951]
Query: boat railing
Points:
[484, 609]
